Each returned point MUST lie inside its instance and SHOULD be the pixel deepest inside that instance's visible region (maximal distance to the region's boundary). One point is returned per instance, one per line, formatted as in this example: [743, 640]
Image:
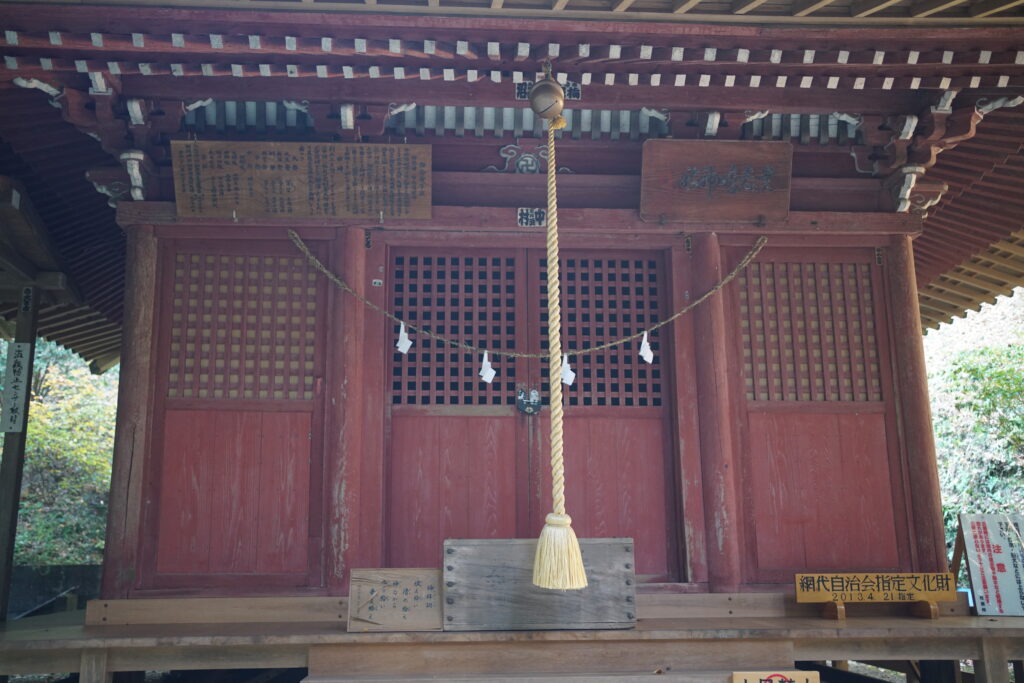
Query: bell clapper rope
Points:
[558, 563]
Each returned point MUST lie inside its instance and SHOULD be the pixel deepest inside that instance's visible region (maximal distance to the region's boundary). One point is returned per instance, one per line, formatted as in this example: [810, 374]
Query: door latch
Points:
[528, 404]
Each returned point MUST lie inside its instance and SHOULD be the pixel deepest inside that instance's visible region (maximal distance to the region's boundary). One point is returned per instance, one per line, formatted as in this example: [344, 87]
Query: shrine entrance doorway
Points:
[463, 460]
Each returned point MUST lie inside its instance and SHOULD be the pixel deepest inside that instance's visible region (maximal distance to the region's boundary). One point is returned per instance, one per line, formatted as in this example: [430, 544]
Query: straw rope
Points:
[345, 287]
[555, 330]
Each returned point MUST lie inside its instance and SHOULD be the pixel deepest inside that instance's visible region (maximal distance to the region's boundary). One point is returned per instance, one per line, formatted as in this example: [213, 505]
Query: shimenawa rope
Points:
[345, 287]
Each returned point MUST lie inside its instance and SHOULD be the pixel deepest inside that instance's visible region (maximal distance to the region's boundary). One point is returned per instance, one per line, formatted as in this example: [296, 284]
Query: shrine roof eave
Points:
[752, 15]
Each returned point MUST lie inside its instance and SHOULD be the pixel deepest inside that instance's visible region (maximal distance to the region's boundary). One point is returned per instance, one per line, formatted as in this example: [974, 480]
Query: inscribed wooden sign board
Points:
[776, 677]
[301, 180]
[394, 600]
[994, 545]
[715, 180]
[875, 587]
[488, 586]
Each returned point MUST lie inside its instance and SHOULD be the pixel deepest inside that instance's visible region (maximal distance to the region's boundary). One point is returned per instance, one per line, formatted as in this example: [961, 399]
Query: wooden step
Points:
[625, 677]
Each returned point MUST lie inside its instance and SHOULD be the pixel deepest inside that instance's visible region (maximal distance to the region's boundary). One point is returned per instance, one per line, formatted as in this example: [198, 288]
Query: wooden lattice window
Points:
[243, 326]
[809, 332]
[604, 299]
[468, 298]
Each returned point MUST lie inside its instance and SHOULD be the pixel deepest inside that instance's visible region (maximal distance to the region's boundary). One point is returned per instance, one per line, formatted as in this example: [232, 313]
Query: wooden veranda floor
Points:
[682, 648]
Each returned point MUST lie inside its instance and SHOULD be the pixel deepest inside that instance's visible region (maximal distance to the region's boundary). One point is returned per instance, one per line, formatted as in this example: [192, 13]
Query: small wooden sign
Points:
[994, 546]
[394, 600]
[17, 382]
[776, 677]
[715, 180]
[488, 586]
[301, 180]
[875, 587]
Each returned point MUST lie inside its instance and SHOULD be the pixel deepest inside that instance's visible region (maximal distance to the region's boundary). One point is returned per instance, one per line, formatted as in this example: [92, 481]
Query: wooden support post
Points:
[833, 610]
[13, 463]
[925, 609]
[993, 665]
[134, 410]
[14, 451]
[913, 409]
[93, 667]
[721, 517]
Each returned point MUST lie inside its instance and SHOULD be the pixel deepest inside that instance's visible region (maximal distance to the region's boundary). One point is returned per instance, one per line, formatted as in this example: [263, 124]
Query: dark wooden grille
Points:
[809, 332]
[469, 298]
[604, 299]
[243, 326]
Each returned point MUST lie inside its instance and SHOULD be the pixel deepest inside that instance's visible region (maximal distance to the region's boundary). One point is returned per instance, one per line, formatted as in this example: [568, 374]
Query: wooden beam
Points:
[622, 5]
[558, 5]
[865, 8]
[926, 8]
[486, 94]
[987, 8]
[806, 7]
[486, 219]
[13, 463]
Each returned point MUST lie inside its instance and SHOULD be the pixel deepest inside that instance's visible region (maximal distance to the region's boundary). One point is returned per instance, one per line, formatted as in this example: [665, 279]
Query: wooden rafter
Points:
[745, 6]
[987, 8]
[684, 6]
[865, 8]
[927, 8]
[804, 8]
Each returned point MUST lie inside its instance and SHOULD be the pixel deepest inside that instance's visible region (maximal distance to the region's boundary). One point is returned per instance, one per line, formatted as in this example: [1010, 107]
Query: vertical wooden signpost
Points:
[17, 391]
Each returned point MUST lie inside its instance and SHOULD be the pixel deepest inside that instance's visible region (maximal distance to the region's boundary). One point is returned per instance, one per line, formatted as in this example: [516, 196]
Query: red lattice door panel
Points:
[463, 462]
[620, 481]
[240, 357]
[820, 434]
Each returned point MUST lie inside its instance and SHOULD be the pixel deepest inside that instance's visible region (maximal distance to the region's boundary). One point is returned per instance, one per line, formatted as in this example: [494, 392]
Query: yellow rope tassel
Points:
[558, 563]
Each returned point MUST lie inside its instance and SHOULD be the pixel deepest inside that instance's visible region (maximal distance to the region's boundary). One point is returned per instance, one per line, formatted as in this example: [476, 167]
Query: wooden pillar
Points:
[92, 667]
[134, 414]
[717, 443]
[14, 451]
[913, 409]
[993, 665]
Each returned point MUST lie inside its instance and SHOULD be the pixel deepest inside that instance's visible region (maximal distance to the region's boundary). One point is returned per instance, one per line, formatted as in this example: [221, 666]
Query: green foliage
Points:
[66, 480]
[978, 412]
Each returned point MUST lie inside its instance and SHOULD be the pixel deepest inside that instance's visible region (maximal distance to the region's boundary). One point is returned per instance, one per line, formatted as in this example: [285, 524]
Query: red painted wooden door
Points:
[233, 502]
[463, 462]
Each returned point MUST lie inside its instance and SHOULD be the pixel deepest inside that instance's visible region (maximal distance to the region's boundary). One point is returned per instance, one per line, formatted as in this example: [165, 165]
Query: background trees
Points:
[67, 461]
[976, 382]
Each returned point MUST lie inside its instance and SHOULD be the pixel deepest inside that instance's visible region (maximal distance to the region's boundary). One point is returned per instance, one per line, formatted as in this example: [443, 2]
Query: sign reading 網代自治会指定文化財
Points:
[715, 180]
[301, 180]
[875, 587]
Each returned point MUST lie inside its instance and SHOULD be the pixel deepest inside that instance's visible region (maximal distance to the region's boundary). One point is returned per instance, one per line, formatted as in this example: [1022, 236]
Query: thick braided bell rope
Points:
[555, 331]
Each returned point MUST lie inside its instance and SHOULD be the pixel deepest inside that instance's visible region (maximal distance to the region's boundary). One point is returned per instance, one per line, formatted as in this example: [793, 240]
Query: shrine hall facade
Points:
[270, 437]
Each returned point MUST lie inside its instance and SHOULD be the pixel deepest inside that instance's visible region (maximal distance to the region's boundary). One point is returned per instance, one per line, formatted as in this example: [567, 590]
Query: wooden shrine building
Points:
[270, 439]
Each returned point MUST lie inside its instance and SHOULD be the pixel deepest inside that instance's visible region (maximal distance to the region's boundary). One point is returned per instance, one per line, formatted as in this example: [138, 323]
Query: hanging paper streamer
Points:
[568, 376]
[645, 350]
[487, 373]
[404, 343]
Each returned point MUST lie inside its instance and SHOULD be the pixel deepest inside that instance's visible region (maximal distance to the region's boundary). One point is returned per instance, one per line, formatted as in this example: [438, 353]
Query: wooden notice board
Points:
[875, 587]
[301, 180]
[394, 600]
[994, 546]
[715, 180]
[488, 586]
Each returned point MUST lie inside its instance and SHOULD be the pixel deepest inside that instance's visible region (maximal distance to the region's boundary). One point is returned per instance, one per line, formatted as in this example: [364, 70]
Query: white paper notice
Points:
[404, 343]
[487, 373]
[645, 350]
[994, 547]
[568, 376]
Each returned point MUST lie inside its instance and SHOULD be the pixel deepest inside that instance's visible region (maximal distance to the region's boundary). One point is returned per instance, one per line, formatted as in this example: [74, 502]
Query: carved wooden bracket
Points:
[907, 190]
